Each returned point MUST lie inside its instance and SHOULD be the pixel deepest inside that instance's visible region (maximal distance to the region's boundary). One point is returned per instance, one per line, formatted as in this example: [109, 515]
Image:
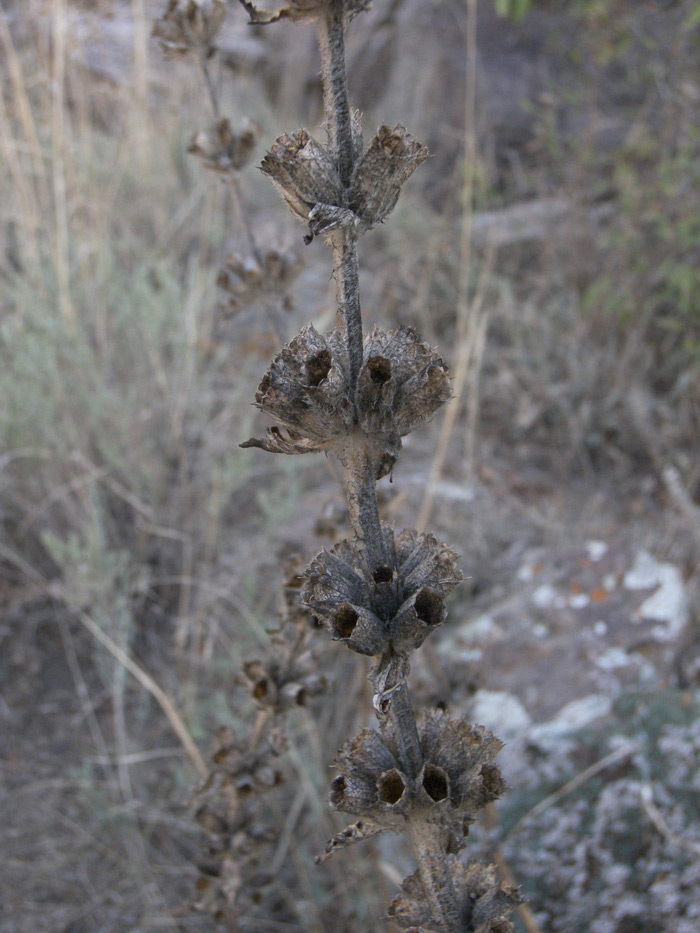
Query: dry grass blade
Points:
[119, 655]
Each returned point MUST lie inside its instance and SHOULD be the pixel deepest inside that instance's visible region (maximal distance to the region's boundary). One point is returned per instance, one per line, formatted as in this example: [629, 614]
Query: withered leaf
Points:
[356, 832]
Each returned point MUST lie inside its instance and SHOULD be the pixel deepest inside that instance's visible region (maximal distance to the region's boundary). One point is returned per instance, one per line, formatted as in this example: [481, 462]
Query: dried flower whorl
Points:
[484, 904]
[190, 25]
[390, 608]
[222, 150]
[457, 779]
[306, 175]
[401, 384]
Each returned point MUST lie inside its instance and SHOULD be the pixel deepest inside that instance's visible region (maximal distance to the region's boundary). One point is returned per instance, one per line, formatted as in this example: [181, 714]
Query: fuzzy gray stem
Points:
[434, 873]
[360, 480]
[331, 33]
[347, 277]
[399, 710]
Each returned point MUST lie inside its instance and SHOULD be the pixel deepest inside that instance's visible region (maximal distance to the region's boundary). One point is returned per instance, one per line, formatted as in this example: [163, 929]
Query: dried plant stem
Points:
[347, 277]
[399, 710]
[359, 481]
[331, 37]
[432, 866]
[360, 471]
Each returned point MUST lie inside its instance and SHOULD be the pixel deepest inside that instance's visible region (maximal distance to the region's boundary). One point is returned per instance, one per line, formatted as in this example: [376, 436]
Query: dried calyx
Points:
[456, 781]
[401, 384]
[483, 903]
[223, 150]
[270, 272]
[388, 608]
[190, 25]
[307, 176]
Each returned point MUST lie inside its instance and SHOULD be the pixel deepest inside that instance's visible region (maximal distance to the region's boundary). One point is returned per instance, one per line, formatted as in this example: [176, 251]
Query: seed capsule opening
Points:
[344, 621]
[435, 783]
[318, 366]
[261, 689]
[383, 574]
[429, 607]
[391, 787]
[338, 788]
[379, 369]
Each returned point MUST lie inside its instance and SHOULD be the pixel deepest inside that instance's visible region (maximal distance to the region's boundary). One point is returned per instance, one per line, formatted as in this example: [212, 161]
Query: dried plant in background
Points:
[380, 593]
[192, 27]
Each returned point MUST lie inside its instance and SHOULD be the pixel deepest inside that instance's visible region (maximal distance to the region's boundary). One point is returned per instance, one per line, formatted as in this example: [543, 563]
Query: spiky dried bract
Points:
[391, 158]
[355, 832]
[222, 150]
[300, 11]
[456, 781]
[386, 609]
[190, 25]
[484, 904]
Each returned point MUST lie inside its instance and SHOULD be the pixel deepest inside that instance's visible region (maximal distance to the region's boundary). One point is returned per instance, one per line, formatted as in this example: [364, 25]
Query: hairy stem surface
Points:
[336, 104]
[359, 480]
[433, 869]
[347, 276]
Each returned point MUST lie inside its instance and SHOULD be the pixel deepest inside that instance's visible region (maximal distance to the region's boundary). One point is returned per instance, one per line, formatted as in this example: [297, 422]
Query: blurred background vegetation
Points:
[127, 376]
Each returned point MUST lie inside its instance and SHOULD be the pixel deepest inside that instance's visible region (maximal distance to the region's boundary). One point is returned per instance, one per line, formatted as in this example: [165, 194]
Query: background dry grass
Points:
[126, 507]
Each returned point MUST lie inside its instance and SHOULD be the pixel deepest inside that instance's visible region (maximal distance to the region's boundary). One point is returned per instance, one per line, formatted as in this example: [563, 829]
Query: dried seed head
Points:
[388, 608]
[370, 782]
[306, 175]
[306, 390]
[299, 11]
[391, 158]
[458, 772]
[190, 25]
[401, 384]
[456, 781]
[247, 278]
[222, 150]
[484, 904]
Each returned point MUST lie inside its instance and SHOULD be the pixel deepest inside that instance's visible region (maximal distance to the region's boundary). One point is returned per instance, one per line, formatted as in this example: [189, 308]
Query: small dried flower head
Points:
[279, 686]
[300, 11]
[401, 384]
[391, 158]
[222, 150]
[189, 25]
[457, 780]
[306, 390]
[484, 904]
[306, 175]
[387, 609]
[246, 278]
